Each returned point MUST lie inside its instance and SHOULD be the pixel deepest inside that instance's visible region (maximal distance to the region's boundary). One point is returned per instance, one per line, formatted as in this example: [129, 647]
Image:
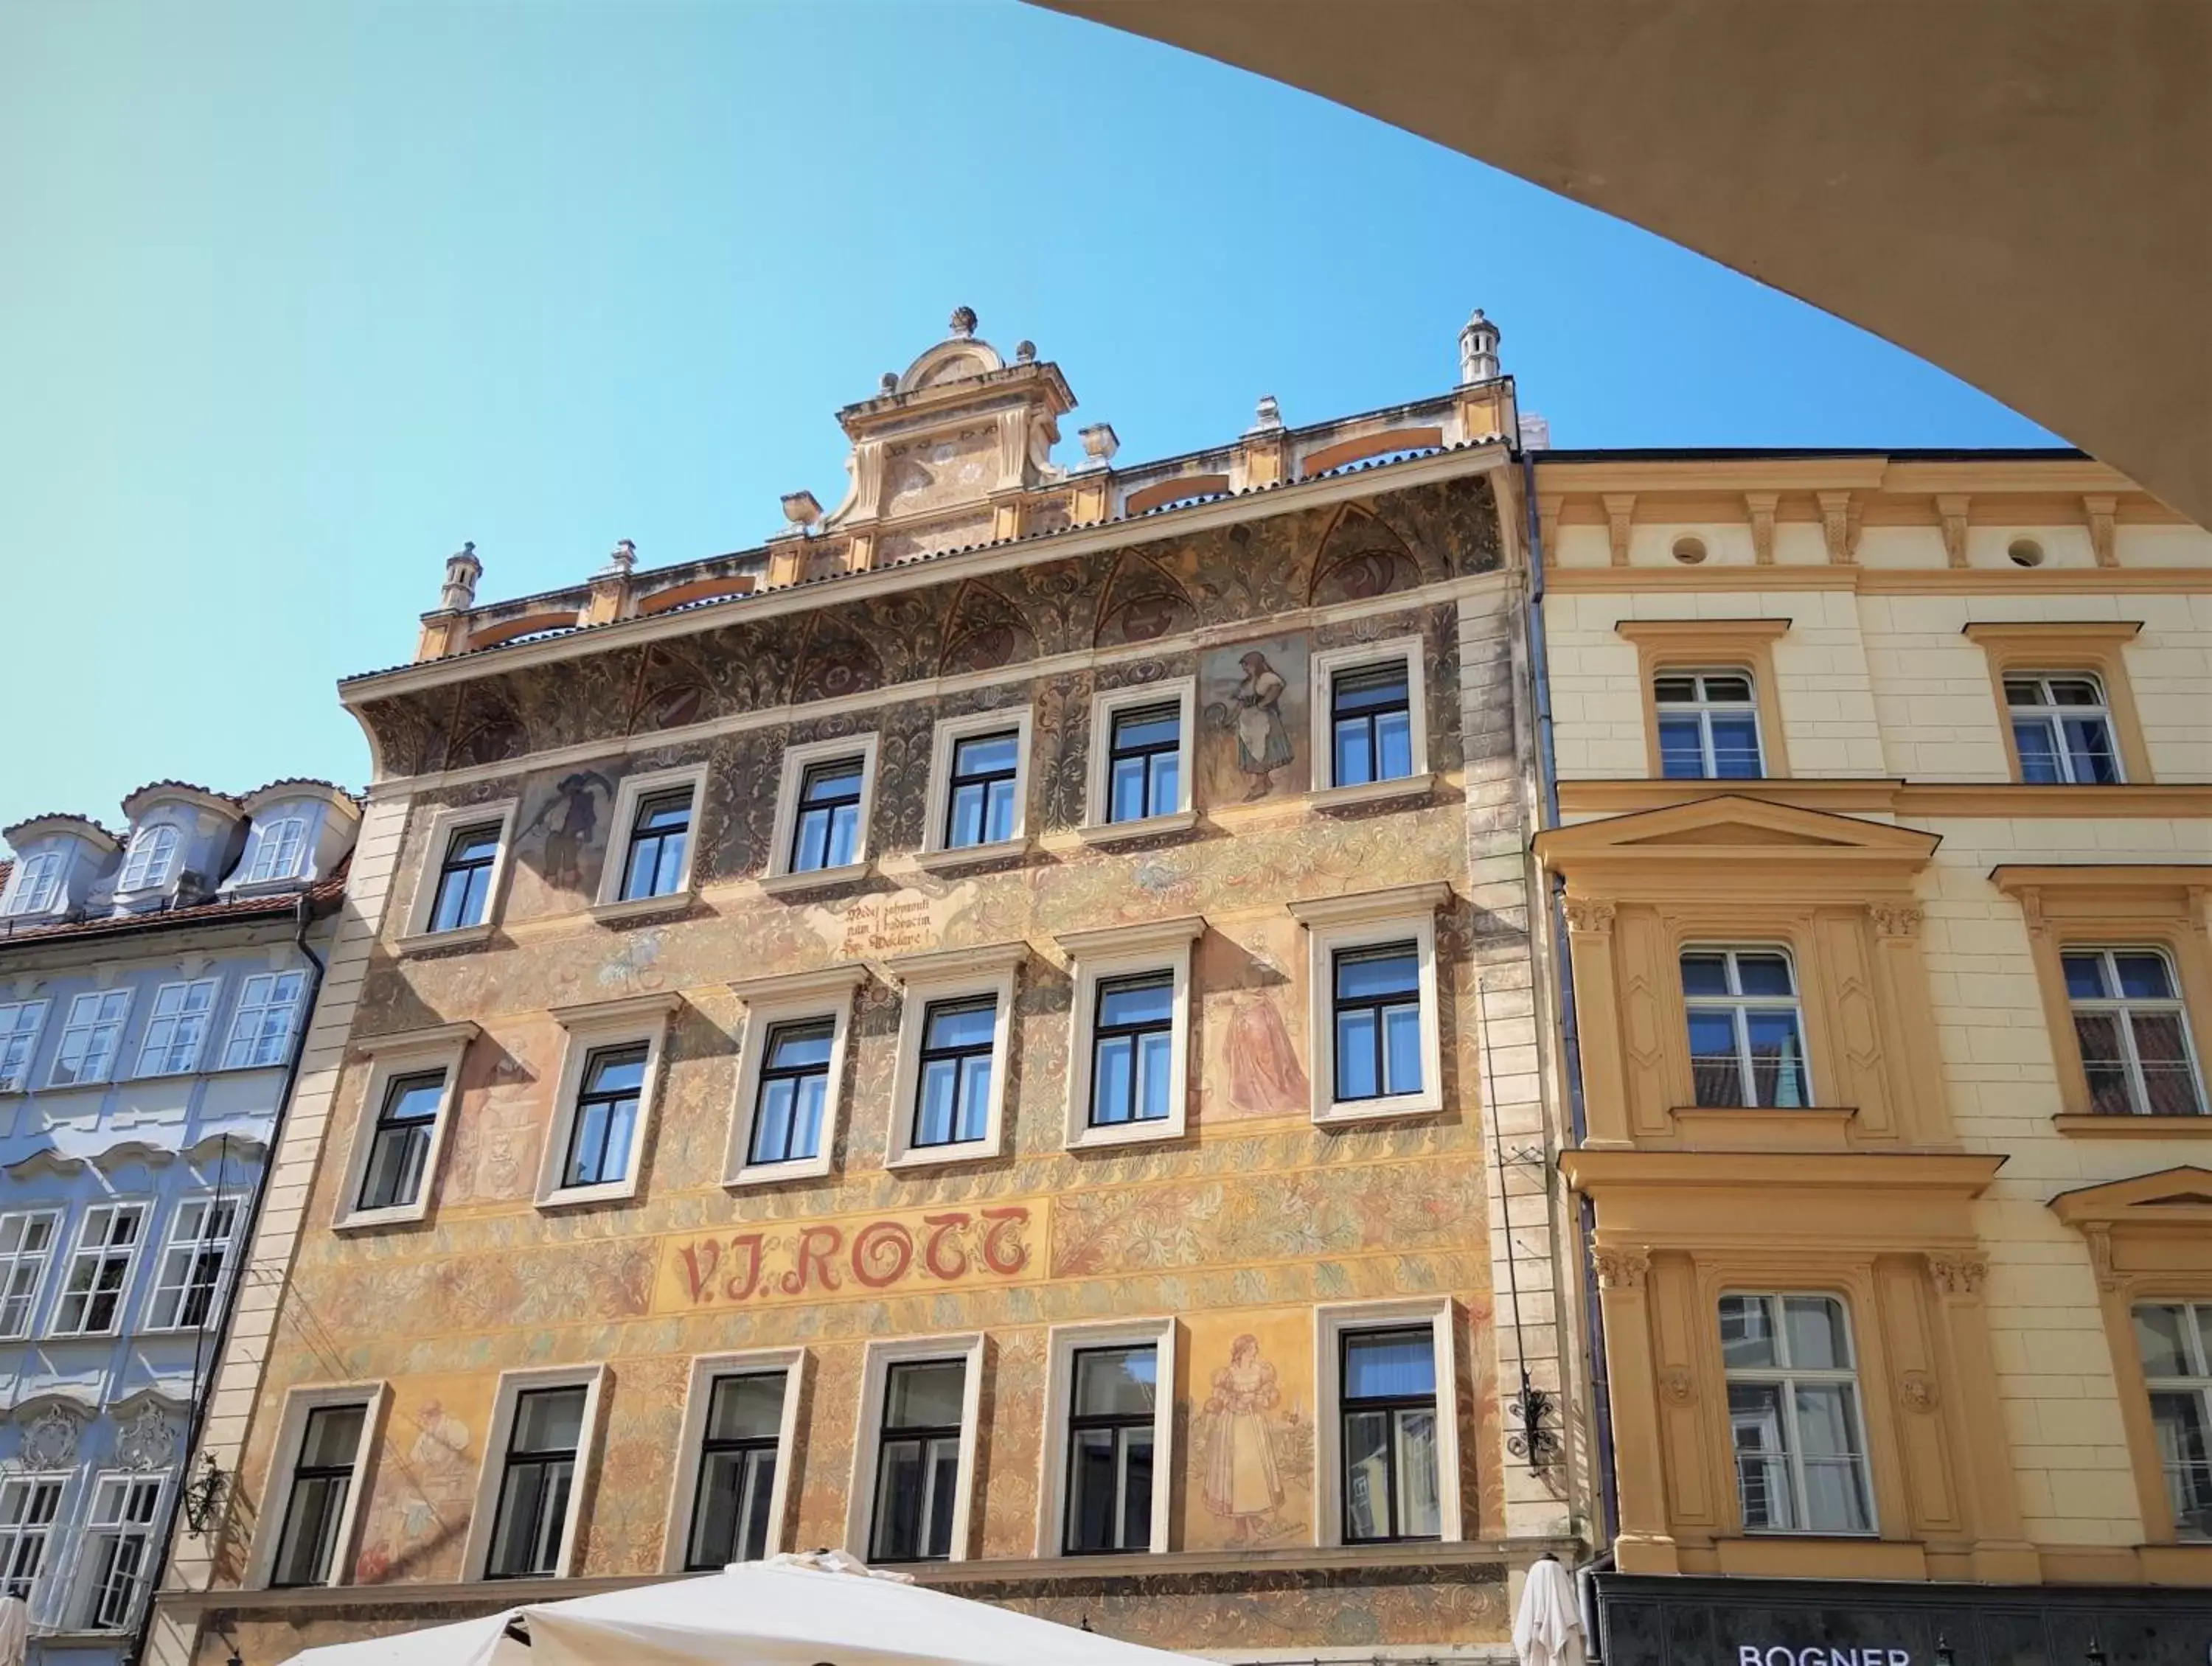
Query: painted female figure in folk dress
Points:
[1263, 745]
[1242, 1482]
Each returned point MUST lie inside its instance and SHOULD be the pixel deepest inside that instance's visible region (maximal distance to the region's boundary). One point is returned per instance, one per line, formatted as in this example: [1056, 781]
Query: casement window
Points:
[36, 888]
[917, 1460]
[261, 1027]
[978, 786]
[1140, 759]
[2175, 1341]
[317, 1501]
[116, 1559]
[463, 897]
[1387, 1432]
[99, 1275]
[1132, 1036]
[278, 848]
[827, 833]
[1370, 728]
[152, 853]
[92, 1035]
[26, 1244]
[466, 850]
[177, 1028]
[791, 1072]
[655, 845]
[954, 1040]
[608, 1071]
[20, 1023]
[1746, 1034]
[194, 1264]
[2132, 1032]
[794, 1091]
[1131, 1032]
[1708, 726]
[406, 1106]
[823, 802]
[1793, 1418]
[399, 1142]
[544, 1425]
[729, 1502]
[1375, 1018]
[29, 1505]
[659, 836]
[1109, 1420]
[2062, 729]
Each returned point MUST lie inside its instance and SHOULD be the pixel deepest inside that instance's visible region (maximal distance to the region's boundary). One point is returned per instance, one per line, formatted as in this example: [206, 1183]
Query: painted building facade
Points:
[1885, 793]
[152, 987]
[1000, 1032]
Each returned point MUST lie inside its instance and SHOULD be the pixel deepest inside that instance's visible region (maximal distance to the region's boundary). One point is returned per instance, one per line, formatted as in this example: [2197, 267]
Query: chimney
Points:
[1477, 350]
[462, 571]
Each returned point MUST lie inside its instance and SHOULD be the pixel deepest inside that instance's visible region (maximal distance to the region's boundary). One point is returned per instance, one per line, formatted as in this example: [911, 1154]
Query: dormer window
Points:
[38, 884]
[277, 848]
[153, 854]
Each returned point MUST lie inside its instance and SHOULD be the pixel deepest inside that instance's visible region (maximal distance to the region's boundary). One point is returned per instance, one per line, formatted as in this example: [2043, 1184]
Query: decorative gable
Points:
[1731, 843]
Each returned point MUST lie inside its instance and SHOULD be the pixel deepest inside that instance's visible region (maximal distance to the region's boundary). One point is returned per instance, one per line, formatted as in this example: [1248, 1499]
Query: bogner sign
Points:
[1754, 1654]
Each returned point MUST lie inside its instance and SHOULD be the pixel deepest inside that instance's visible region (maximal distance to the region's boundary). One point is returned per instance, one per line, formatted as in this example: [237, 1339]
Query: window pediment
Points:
[1736, 842]
[2171, 1197]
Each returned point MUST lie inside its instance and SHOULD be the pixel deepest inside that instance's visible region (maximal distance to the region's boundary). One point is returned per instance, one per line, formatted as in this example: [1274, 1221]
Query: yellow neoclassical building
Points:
[1880, 851]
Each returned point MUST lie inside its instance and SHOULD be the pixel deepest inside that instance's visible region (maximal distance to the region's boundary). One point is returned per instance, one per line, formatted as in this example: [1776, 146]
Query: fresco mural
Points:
[1251, 1450]
[1255, 699]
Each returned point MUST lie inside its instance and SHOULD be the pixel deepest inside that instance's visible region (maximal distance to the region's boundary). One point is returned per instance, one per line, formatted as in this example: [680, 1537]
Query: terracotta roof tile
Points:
[323, 896]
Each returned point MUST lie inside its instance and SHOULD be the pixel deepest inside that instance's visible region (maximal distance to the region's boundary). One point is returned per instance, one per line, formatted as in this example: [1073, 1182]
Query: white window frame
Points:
[698, 1401]
[1105, 704]
[151, 858]
[1739, 1008]
[2196, 1343]
[96, 999]
[79, 1251]
[156, 1017]
[1332, 1321]
[2123, 1008]
[1064, 1342]
[594, 1027]
[269, 840]
[172, 1244]
[950, 731]
[949, 975]
[38, 884]
[246, 1004]
[476, 1549]
[1703, 709]
[410, 1053]
[610, 904]
[2045, 710]
[452, 820]
[1789, 1376]
[769, 1002]
[82, 1595]
[1096, 957]
[781, 877]
[1365, 920]
[1326, 663]
[861, 1496]
[277, 1486]
[17, 1533]
[13, 1029]
[43, 1260]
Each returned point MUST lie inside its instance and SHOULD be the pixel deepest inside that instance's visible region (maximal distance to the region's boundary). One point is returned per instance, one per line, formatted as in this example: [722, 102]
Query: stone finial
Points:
[1024, 353]
[622, 558]
[801, 509]
[963, 322]
[462, 571]
[1477, 350]
[1266, 416]
[1100, 442]
[888, 382]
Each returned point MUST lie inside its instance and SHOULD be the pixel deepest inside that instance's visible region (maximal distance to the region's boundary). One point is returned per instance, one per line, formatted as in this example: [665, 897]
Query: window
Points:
[1143, 763]
[261, 1028]
[953, 1041]
[1370, 726]
[29, 1505]
[1131, 1031]
[2175, 1339]
[732, 1513]
[794, 1087]
[399, 1144]
[829, 831]
[26, 1242]
[91, 1038]
[604, 1125]
[315, 1504]
[953, 1101]
[153, 850]
[1375, 1013]
[917, 1460]
[1708, 726]
[2062, 729]
[651, 857]
[278, 846]
[20, 1022]
[1132, 1074]
[116, 1557]
[530, 1522]
[2134, 1038]
[1111, 1428]
[1746, 1040]
[38, 884]
[822, 803]
[1388, 1402]
[100, 1271]
[193, 1264]
[463, 897]
[659, 836]
[978, 786]
[790, 1068]
[1793, 1401]
[173, 1034]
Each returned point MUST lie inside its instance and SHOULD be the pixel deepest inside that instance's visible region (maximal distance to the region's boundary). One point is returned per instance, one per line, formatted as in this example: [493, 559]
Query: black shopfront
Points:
[1668, 1621]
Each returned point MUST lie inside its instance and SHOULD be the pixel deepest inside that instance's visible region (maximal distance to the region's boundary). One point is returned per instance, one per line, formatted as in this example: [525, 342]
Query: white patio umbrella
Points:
[15, 1631]
[789, 1611]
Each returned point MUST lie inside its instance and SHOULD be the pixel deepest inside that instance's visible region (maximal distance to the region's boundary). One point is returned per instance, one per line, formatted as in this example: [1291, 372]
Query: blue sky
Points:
[298, 297]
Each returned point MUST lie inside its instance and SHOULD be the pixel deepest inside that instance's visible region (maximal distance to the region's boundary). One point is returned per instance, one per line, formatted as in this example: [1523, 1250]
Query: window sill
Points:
[772, 1174]
[1807, 1128]
[1152, 826]
[364, 1221]
[965, 855]
[570, 1197]
[815, 879]
[633, 908]
[1342, 1115]
[1155, 1131]
[1372, 793]
[461, 936]
[108, 1335]
[941, 1156]
[2079, 1126]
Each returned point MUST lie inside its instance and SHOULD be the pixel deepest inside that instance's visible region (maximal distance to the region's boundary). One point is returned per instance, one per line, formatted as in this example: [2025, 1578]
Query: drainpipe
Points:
[300, 919]
[1562, 967]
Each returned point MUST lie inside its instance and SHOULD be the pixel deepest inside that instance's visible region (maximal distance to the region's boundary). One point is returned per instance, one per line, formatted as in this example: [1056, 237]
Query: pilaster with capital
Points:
[1970, 1402]
[1646, 1543]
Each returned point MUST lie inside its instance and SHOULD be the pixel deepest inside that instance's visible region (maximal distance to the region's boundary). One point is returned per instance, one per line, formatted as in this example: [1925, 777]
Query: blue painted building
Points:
[154, 987]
